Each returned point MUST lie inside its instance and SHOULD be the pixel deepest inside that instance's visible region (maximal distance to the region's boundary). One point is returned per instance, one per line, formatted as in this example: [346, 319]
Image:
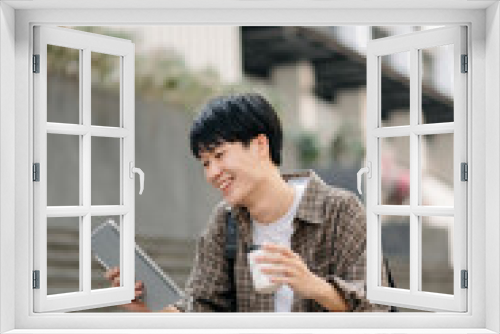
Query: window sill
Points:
[252, 331]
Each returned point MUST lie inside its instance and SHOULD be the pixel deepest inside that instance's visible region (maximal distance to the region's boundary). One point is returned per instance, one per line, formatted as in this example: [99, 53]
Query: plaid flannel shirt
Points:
[329, 235]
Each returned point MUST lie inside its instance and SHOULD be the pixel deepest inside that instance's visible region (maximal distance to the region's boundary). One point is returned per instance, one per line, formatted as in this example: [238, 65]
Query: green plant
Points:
[347, 146]
[308, 147]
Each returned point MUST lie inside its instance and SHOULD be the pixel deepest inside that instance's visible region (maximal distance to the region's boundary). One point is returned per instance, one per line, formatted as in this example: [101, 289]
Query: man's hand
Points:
[170, 308]
[136, 305]
[289, 268]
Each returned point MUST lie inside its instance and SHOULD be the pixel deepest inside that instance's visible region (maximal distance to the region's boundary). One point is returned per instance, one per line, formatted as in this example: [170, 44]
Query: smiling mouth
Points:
[224, 185]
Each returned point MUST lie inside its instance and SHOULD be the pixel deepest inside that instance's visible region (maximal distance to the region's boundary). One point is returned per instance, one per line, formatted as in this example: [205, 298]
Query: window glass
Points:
[106, 81]
[63, 170]
[395, 89]
[437, 80]
[395, 171]
[63, 255]
[437, 188]
[437, 254]
[106, 171]
[63, 85]
[114, 248]
[395, 232]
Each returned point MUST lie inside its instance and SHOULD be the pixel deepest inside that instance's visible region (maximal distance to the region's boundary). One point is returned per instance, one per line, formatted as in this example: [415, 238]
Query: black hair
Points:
[236, 118]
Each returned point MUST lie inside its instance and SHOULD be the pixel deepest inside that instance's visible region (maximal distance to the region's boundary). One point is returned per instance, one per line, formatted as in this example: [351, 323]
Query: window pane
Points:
[394, 171]
[106, 169]
[437, 84]
[63, 255]
[395, 88]
[437, 254]
[105, 89]
[395, 232]
[63, 170]
[63, 85]
[437, 170]
[99, 281]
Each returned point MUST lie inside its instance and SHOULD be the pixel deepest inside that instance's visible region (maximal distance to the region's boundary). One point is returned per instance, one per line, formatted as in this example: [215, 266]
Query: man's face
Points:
[234, 169]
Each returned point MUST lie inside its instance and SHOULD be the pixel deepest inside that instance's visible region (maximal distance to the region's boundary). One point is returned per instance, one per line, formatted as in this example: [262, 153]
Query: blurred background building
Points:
[316, 79]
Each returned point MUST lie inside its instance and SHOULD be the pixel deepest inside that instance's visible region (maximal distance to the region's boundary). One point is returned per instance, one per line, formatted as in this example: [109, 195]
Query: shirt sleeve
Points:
[208, 288]
[348, 271]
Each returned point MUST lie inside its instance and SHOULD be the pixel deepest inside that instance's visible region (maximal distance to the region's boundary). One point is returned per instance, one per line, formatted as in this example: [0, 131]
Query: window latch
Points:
[368, 171]
[139, 171]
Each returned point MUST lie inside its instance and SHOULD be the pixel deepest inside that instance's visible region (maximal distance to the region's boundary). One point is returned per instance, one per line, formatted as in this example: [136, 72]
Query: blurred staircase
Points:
[174, 256]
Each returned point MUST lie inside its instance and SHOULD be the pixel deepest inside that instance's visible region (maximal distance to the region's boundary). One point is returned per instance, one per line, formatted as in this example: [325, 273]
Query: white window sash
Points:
[413, 298]
[85, 298]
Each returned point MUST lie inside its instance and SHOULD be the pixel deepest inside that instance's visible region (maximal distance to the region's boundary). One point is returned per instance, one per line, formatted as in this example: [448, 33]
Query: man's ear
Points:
[263, 145]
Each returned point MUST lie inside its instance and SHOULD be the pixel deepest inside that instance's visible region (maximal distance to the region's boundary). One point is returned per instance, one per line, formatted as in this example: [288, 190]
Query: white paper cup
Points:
[261, 281]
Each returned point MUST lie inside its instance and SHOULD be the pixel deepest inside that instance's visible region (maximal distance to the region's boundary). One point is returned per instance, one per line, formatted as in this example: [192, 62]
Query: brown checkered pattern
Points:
[329, 234]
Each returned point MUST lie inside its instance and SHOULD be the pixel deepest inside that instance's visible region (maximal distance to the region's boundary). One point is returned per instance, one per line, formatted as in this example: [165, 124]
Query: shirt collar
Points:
[311, 205]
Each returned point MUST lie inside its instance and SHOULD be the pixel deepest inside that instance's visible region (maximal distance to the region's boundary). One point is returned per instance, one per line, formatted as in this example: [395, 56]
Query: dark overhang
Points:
[336, 67]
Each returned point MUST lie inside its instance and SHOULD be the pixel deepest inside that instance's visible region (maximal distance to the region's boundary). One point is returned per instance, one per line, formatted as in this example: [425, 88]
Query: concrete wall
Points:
[176, 201]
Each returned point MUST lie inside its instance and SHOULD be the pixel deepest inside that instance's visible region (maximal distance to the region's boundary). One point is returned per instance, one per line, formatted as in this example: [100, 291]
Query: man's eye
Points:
[219, 155]
[205, 164]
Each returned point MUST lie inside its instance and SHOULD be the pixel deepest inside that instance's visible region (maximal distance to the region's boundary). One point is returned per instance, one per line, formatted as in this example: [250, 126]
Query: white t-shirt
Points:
[280, 232]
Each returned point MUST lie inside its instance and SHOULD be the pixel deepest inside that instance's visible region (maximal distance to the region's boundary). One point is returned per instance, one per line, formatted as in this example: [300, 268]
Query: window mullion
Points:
[414, 172]
[392, 131]
[434, 211]
[372, 188]
[85, 251]
[434, 129]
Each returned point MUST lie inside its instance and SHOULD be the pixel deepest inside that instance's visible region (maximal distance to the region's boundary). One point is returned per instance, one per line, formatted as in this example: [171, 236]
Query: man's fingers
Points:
[281, 280]
[139, 286]
[170, 308]
[112, 273]
[283, 250]
[116, 281]
[274, 259]
[139, 289]
[277, 270]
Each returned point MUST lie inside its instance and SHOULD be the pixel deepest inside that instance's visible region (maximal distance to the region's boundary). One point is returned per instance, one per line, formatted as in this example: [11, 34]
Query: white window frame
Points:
[413, 44]
[483, 125]
[85, 43]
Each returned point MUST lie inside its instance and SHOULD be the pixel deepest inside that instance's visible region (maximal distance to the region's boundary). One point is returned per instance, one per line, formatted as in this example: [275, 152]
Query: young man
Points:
[314, 235]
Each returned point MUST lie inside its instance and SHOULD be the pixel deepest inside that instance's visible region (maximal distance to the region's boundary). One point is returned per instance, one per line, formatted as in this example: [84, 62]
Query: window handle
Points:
[368, 170]
[141, 175]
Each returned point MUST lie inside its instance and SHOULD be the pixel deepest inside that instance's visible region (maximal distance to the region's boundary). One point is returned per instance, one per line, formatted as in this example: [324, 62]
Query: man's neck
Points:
[271, 200]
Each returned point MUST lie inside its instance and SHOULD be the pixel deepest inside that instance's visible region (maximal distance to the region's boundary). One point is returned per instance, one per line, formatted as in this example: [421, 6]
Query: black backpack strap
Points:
[392, 284]
[230, 254]
[230, 248]
[231, 237]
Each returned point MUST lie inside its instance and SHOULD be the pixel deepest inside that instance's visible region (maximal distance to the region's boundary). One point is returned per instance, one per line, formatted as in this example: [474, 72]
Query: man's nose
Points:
[213, 171]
